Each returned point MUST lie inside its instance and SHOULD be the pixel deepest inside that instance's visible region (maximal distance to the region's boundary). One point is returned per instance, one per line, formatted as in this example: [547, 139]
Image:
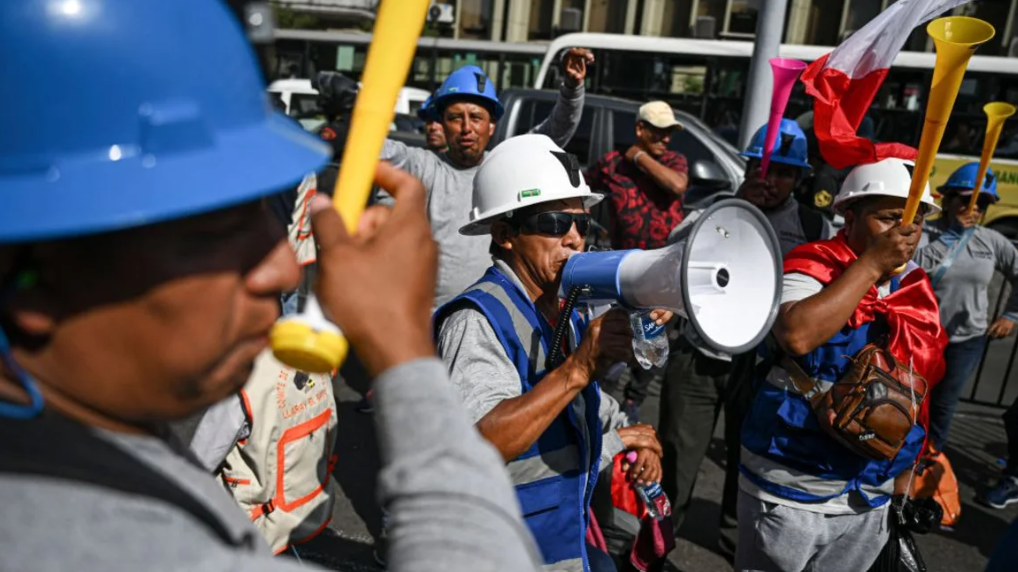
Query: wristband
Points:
[636, 158]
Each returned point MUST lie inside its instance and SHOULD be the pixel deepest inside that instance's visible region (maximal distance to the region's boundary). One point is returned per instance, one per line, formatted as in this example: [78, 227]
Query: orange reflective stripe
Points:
[236, 481]
[290, 435]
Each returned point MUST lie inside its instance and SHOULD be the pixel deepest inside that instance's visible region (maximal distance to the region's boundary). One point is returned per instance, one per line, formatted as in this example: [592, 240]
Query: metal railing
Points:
[994, 381]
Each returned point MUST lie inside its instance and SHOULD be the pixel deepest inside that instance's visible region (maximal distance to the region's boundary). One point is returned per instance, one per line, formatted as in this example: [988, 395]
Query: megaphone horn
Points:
[997, 113]
[956, 39]
[785, 71]
[723, 275]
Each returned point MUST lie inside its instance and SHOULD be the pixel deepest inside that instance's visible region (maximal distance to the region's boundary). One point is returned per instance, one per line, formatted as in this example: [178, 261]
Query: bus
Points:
[302, 53]
[707, 78]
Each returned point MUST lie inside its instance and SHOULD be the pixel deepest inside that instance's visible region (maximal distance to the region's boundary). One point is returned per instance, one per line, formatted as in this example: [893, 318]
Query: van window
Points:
[533, 112]
[683, 141]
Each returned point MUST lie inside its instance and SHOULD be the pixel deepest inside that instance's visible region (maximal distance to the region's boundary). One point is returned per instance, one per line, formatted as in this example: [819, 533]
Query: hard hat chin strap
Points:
[19, 410]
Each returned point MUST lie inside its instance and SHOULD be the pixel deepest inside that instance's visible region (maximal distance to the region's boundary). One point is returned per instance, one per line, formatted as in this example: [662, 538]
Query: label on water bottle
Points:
[651, 328]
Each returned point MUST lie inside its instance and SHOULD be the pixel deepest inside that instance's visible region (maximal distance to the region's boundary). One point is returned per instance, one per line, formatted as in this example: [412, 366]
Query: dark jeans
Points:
[694, 390]
[960, 360]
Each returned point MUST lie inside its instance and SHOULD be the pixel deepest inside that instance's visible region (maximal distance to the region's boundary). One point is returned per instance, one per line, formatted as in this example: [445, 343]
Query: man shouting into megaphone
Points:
[551, 422]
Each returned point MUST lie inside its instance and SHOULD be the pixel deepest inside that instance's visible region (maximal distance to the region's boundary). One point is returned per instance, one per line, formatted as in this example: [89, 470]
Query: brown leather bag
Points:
[875, 404]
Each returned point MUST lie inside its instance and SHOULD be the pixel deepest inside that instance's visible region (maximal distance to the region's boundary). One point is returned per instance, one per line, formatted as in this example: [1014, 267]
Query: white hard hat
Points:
[888, 178]
[523, 171]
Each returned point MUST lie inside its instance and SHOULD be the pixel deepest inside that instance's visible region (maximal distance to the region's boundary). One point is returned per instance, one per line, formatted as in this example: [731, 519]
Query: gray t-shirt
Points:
[961, 292]
[445, 488]
[463, 259]
[484, 376]
[787, 226]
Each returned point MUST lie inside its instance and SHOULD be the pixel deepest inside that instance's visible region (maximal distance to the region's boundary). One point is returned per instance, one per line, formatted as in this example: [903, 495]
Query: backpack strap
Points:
[56, 447]
[948, 260]
[812, 222]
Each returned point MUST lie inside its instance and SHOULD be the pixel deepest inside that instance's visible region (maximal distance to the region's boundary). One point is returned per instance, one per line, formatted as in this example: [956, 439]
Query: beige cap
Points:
[659, 114]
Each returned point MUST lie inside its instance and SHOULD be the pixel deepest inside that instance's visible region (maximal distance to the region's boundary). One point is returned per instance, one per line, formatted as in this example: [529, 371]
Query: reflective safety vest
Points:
[281, 473]
[555, 477]
[787, 454]
[299, 231]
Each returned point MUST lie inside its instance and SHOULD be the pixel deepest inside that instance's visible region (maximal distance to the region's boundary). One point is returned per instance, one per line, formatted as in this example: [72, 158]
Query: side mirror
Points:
[707, 183]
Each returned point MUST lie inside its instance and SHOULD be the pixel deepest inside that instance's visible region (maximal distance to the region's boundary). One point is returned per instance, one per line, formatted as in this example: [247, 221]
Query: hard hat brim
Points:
[778, 159]
[75, 198]
[482, 225]
[946, 190]
[840, 206]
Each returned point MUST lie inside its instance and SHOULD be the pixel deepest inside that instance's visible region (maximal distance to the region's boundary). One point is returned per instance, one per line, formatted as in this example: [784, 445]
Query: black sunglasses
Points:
[555, 223]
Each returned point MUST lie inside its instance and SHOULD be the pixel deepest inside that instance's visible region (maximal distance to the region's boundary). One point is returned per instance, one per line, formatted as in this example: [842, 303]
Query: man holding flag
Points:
[811, 498]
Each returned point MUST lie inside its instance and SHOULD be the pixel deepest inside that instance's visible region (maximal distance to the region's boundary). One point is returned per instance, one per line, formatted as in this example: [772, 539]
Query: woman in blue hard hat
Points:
[961, 258]
[467, 106]
[138, 286]
[700, 380]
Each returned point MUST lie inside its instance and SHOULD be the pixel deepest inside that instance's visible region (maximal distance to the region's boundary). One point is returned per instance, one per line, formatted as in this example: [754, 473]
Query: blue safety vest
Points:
[787, 454]
[555, 477]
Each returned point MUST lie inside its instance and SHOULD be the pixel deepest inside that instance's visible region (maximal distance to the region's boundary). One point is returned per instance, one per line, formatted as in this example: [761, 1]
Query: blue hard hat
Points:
[130, 112]
[789, 147]
[470, 83]
[426, 112]
[963, 180]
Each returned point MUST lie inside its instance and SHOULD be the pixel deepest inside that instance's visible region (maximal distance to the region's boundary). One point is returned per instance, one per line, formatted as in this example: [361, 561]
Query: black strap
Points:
[812, 222]
[56, 447]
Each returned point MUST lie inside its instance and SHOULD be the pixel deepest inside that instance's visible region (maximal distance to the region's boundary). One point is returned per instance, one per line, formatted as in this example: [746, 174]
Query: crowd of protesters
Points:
[147, 424]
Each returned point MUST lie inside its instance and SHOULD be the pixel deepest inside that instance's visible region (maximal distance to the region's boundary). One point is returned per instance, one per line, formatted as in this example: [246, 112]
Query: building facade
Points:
[811, 22]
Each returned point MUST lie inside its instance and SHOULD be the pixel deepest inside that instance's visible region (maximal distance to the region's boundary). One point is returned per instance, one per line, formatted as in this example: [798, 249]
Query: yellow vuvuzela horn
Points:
[997, 113]
[308, 341]
[956, 39]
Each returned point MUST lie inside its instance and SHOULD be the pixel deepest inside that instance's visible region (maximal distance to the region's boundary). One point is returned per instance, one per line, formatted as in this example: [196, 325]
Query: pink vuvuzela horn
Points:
[786, 71]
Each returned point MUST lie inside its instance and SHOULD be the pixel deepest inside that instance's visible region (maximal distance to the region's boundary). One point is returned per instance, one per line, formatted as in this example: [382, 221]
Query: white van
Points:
[300, 100]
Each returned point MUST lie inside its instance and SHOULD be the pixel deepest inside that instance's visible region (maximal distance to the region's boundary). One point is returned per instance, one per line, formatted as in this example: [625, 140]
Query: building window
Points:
[541, 20]
[675, 19]
[860, 12]
[823, 27]
[475, 19]
[608, 16]
[995, 12]
[742, 18]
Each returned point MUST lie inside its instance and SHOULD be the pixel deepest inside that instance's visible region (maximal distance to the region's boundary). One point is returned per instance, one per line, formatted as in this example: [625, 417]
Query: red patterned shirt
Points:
[643, 214]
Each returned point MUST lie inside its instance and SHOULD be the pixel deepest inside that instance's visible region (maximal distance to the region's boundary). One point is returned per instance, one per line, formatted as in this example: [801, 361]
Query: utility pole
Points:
[769, 25]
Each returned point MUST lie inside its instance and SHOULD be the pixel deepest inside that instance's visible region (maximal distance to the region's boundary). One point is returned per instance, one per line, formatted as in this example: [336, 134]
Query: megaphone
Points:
[997, 113]
[723, 275]
[785, 71]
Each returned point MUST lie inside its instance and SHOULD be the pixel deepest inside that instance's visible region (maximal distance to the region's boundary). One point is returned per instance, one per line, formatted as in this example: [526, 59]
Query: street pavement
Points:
[976, 444]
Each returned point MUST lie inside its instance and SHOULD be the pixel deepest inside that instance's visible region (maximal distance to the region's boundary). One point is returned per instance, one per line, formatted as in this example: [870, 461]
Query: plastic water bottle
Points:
[650, 343]
[653, 497]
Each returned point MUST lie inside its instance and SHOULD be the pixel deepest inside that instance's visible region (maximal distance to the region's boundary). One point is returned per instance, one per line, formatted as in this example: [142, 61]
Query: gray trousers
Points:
[778, 538]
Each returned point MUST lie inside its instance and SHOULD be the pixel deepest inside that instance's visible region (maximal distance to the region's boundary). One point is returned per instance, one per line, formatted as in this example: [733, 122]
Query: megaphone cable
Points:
[555, 357]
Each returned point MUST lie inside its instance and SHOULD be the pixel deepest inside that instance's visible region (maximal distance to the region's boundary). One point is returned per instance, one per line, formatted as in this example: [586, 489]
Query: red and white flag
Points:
[844, 82]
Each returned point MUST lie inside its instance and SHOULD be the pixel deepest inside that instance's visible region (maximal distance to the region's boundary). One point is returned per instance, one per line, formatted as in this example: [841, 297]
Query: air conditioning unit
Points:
[571, 20]
[704, 27]
[442, 14]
